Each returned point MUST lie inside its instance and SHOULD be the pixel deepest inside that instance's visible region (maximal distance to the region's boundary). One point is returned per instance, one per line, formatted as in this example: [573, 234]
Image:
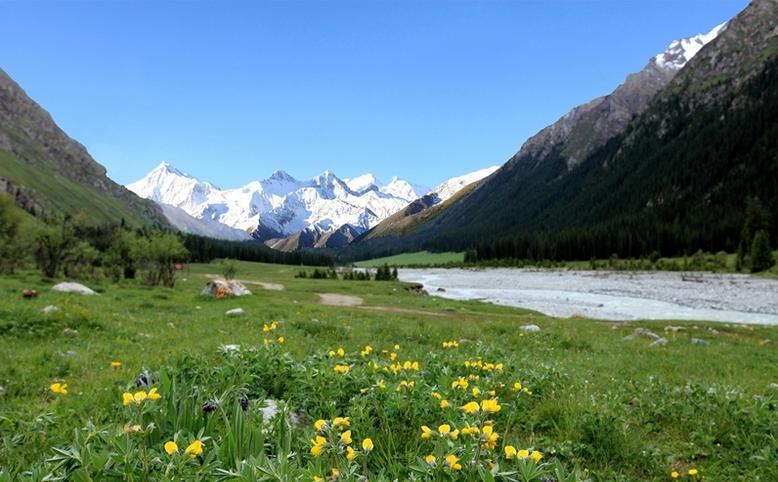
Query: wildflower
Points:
[510, 451]
[139, 396]
[351, 454]
[194, 449]
[171, 447]
[453, 462]
[265, 328]
[468, 430]
[381, 384]
[153, 395]
[244, 402]
[489, 437]
[209, 406]
[59, 388]
[397, 347]
[460, 384]
[430, 459]
[392, 356]
[318, 478]
[476, 391]
[340, 422]
[281, 340]
[334, 473]
[471, 408]
[407, 384]
[366, 351]
[454, 434]
[116, 364]
[692, 472]
[425, 432]
[499, 367]
[490, 406]
[444, 429]
[367, 445]
[522, 454]
[320, 425]
[128, 429]
[341, 352]
[436, 395]
[127, 398]
[342, 369]
[674, 474]
[536, 456]
[444, 404]
[345, 437]
[318, 445]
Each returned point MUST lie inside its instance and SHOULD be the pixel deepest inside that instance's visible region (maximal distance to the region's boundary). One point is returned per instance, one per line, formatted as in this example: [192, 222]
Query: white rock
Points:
[269, 409]
[530, 328]
[234, 312]
[642, 333]
[221, 288]
[659, 342]
[50, 309]
[229, 348]
[70, 287]
[70, 332]
[699, 341]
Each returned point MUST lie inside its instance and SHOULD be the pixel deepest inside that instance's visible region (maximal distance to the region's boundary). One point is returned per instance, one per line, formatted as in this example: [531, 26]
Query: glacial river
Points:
[609, 295]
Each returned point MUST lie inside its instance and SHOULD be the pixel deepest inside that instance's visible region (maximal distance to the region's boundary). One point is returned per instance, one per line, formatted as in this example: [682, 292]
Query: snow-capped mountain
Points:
[280, 205]
[681, 51]
[448, 188]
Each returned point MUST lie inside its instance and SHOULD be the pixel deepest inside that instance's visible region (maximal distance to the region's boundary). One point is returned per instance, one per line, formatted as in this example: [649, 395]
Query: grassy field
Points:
[596, 406]
[421, 258]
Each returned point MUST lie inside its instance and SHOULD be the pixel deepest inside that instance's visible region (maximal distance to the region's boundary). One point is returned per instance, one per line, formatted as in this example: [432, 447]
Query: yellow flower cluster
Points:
[489, 405]
[140, 397]
[340, 352]
[405, 385]
[522, 454]
[451, 344]
[478, 364]
[59, 388]
[341, 368]
[271, 327]
[405, 366]
[367, 350]
[268, 328]
[335, 435]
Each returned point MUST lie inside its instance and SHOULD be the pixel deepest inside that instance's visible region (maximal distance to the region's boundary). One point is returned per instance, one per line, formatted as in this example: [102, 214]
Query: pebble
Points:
[530, 329]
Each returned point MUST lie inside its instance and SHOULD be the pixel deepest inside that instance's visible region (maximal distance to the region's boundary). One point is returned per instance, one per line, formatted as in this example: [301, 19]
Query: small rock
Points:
[73, 288]
[269, 409]
[700, 341]
[70, 332]
[198, 307]
[674, 329]
[29, 293]
[659, 342]
[70, 353]
[772, 386]
[234, 312]
[441, 290]
[530, 328]
[50, 309]
[229, 348]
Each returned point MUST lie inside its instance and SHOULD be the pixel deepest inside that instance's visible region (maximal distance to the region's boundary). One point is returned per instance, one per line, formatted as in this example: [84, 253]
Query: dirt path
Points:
[406, 311]
[261, 284]
[332, 299]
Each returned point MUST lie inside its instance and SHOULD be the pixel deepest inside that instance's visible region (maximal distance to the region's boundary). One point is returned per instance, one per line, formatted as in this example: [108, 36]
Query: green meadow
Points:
[420, 258]
[589, 404]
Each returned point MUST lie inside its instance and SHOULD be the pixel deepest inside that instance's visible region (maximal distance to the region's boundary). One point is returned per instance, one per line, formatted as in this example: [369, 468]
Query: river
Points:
[611, 295]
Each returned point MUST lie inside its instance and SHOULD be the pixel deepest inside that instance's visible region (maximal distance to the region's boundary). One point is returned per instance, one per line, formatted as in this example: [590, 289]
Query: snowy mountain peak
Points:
[447, 189]
[680, 52]
[281, 175]
[363, 182]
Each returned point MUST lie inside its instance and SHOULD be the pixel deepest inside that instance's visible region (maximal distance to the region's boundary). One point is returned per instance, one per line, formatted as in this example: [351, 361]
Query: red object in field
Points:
[179, 266]
[30, 293]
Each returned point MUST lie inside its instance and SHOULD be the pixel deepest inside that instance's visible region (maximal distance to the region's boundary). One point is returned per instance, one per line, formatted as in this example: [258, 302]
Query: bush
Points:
[761, 253]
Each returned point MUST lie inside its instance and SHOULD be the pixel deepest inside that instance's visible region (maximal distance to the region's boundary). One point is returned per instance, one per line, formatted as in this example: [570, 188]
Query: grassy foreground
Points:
[593, 405]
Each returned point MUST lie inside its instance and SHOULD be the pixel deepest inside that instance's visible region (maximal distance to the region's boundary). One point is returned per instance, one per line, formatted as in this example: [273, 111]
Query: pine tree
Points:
[761, 254]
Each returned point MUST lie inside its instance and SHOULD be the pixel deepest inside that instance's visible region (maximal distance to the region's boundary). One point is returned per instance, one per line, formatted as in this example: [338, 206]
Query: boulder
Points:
[49, 309]
[530, 328]
[700, 341]
[659, 342]
[234, 312]
[221, 288]
[642, 333]
[70, 287]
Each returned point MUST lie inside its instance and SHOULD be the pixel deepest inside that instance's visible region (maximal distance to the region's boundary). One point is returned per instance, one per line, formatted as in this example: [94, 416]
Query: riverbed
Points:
[611, 295]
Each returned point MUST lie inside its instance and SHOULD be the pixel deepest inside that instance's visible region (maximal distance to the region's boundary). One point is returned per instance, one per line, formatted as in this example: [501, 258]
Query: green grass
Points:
[421, 258]
[617, 409]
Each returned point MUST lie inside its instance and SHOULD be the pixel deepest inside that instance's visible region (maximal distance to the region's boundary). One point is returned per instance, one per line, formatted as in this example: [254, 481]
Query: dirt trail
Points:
[332, 299]
[262, 284]
[406, 311]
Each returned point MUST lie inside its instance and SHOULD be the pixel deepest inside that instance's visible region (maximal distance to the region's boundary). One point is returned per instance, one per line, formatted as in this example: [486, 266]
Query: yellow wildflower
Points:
[116, 364]
[471, 408]
[444, 404]
[281, 340]
[171, 447]
[476, 391]
[194, 449]
[425, 432]
[345, 437]
[510, 451]
[522, 454]
[693, 472]
[318, 445]
[351, 454]
[454, 434]
[397, 347]
[320, 425]
[536, 456]
[131, 428]
[153, 395]
[453, 462]
[367, 445]
[340, 422]
[139, 396]
[341, 352]
[381, 384]
[436, 395]
[342, 369]
[127, 398]
[59, 388]
[430, 459]
[460, 384]
[674, 474]
[444, 429]
[468, 430]
[490, 406]
[489, 437]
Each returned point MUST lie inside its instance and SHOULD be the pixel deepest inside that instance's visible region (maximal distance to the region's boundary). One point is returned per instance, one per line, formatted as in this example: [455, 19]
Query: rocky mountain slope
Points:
[47, 172]
[665, 163]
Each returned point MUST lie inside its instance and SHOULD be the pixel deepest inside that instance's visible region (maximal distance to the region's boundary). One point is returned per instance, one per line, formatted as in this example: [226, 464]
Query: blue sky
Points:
[231, 91]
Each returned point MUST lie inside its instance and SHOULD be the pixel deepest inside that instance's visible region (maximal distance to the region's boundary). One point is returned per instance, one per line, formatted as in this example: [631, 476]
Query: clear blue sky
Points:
[231, 91]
